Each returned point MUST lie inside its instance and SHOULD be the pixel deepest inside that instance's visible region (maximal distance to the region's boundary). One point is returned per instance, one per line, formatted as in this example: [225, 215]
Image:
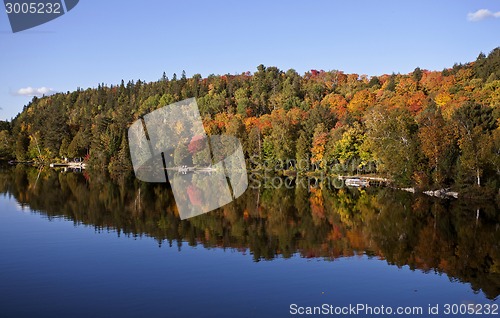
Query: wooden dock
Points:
[186, 169]
[364, 181]
[72, 165]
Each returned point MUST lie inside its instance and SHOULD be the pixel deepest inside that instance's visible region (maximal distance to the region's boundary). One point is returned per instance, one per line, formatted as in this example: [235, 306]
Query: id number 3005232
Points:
[33, 8]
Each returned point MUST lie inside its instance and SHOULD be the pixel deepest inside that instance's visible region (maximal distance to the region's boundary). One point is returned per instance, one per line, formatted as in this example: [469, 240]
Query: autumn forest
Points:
[427, 129]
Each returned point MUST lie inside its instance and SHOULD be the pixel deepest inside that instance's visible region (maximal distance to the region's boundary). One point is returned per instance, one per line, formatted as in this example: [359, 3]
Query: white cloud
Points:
[482, 14]
[30, 91]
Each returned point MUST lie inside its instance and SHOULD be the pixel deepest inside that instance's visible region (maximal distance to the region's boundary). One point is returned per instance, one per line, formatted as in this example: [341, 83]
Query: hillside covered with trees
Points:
[426, 128]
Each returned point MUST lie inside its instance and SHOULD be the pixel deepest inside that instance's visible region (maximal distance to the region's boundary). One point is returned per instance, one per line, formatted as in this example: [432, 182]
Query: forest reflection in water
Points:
[424, 233]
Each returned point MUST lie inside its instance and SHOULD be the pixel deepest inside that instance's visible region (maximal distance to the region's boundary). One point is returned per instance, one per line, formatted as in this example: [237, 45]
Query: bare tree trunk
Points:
[36, 141]
[478, 177]
[260, 151]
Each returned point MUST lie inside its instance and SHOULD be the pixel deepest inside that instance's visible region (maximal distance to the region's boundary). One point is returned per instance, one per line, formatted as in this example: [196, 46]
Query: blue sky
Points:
[106, 41]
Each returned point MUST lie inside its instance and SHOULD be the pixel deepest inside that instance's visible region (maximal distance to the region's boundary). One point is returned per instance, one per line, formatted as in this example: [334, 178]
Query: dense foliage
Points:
[436, 128]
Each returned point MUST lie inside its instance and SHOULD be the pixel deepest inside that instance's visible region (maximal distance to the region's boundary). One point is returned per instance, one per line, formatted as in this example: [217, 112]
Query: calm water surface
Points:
[75, 245]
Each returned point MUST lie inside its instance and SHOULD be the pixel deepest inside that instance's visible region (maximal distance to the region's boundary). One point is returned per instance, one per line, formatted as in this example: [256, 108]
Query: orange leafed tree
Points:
[319, 141]
[337, 104]
[360, 102]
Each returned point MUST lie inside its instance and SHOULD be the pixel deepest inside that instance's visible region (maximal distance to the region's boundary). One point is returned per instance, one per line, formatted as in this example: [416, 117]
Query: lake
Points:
[82, 245]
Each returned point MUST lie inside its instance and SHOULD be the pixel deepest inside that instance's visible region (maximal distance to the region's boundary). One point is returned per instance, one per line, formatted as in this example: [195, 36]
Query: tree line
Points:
[425, 128]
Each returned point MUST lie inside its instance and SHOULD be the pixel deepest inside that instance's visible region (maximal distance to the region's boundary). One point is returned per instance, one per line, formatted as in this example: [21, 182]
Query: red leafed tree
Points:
[194, 195]
[196, 144]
